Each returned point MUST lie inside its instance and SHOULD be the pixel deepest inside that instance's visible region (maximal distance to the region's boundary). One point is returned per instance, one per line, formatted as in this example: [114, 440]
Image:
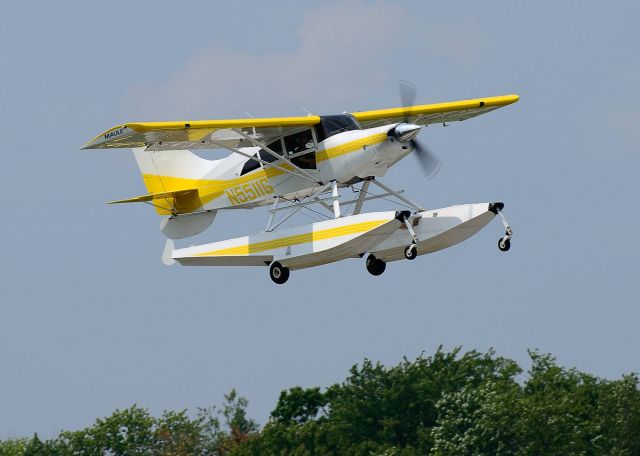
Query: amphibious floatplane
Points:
[293, 163]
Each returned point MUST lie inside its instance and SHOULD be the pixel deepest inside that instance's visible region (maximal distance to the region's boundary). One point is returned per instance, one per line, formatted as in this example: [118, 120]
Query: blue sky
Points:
[90, 319]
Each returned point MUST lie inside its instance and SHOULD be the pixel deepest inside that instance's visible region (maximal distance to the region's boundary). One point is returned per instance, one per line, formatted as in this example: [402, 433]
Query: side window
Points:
[297, 144]
[250, 165]
[275, 146]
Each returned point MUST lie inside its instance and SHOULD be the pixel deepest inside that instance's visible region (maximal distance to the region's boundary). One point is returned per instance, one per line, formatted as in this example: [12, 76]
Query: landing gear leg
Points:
[278, 273]
[504, 243]
[375, 266]
[411, 252]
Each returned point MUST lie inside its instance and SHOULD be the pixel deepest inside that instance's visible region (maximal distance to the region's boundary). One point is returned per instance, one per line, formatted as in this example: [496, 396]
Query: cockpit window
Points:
[300, 146]
[302, 149]
[275, 146]
[298, 142]
[332, 125]
[252, 165]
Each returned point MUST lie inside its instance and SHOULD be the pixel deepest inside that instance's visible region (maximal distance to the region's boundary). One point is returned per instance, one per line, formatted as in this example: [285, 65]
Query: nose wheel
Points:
[504, 244]
[411, 252]
[375, 266]
[278, 273]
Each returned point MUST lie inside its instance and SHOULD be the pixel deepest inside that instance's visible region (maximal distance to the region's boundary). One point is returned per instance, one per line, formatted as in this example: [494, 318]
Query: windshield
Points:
[332, 125]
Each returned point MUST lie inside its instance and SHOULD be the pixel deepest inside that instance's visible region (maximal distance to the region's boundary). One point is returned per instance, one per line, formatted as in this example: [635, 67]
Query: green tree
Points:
[443, 404]
[239, 427]
[13, 447]
[617, 422]
[127, 432]
[298, 405]
[175, 434]
[478, 421]
[557, 409]
[377, 409]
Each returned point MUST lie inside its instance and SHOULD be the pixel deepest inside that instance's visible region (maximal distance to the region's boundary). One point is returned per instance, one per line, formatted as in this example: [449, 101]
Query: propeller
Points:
[429, 162]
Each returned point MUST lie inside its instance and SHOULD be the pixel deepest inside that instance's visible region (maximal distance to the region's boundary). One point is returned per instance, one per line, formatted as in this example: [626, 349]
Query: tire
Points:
[411, 252]
[504, 245]
[375, 266]
[278, 273]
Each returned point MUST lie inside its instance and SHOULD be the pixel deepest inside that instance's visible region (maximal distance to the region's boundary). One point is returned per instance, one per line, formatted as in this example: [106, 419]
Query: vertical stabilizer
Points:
[170, 170]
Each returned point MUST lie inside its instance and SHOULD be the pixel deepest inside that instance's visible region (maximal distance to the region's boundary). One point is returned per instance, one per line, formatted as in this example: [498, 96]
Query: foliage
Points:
[134, 432]
[443, 404]
[13, 447]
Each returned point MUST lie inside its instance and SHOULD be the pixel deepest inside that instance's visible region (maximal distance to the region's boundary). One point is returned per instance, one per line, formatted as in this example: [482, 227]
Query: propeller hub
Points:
[404, 132]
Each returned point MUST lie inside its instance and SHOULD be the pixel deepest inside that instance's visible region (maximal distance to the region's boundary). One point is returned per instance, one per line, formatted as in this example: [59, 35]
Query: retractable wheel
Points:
[504, 244]
[375, 266]
[278, 273]
[411, 252]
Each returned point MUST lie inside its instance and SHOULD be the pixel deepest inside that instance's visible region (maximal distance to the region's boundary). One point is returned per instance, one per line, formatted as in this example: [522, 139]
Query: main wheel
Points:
[278, 273]
[504, 244]
[411, 252]
[375, 266]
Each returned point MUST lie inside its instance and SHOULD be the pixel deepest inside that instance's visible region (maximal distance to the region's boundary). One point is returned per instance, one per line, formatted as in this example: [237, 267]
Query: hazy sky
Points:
[91, 320]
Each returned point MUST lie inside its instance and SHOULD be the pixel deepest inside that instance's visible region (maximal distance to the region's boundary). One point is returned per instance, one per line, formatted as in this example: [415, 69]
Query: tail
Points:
[172, 170]
[173, 179]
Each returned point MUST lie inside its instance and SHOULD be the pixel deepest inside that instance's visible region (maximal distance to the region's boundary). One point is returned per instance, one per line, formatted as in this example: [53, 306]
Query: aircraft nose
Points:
[405, 132]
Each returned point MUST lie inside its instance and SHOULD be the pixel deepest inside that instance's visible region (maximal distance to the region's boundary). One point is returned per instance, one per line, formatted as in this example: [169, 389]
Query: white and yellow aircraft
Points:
[292, 163]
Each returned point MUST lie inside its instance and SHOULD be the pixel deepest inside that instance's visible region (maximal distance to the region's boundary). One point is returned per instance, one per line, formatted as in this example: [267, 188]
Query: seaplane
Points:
[295, 164]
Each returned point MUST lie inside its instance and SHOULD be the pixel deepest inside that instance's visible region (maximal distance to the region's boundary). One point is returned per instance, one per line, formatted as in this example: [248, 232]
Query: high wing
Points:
[450, 111]
[198, 134]
[212, 134]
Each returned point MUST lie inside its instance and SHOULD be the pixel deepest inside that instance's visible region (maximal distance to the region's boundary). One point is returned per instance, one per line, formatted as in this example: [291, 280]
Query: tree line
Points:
[445, 404]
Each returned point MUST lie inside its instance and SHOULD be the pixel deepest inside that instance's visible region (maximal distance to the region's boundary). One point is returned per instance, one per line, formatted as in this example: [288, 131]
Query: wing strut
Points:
[251, 157]
[398, 195]
[293, 209]
[361, 197]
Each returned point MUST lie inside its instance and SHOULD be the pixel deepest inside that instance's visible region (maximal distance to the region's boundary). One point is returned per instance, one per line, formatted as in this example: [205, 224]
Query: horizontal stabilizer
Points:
[190, 192]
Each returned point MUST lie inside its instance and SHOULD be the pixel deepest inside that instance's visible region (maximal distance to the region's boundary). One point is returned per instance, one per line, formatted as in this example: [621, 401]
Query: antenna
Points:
[254, 128]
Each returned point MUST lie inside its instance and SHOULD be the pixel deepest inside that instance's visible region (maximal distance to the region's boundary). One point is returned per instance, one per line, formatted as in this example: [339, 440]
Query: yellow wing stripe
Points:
[198, 129]
[477, 103]
[297, 239]
[263, 122]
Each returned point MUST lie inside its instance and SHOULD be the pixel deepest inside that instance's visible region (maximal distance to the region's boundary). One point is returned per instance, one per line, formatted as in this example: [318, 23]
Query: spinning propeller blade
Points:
[429, 162]
[408, 95]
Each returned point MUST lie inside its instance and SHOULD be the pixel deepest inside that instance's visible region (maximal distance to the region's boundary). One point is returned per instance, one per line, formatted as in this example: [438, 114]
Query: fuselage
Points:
[346, 157]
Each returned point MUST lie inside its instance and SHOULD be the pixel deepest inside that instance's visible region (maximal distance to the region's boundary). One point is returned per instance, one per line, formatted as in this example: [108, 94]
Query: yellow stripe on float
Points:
[297, 239]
